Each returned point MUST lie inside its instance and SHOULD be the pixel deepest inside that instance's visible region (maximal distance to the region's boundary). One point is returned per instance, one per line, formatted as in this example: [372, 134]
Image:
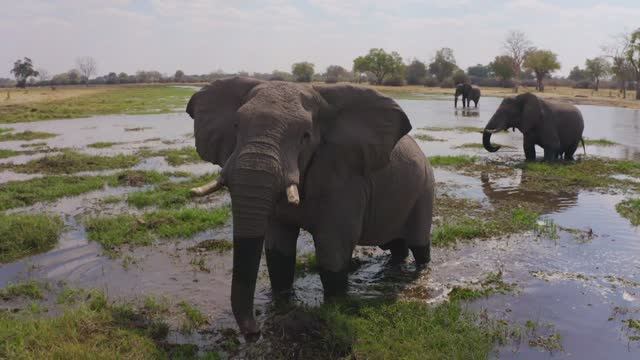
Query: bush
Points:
[447, 83]
[431, 82]
[582, 85]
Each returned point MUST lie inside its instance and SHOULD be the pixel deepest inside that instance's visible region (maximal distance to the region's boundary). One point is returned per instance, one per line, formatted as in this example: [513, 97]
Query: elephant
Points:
[334, 160]
[469, 92]
[554, 126]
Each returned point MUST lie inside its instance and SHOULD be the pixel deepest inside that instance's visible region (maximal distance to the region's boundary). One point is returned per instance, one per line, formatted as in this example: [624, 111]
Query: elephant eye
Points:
[305, 138]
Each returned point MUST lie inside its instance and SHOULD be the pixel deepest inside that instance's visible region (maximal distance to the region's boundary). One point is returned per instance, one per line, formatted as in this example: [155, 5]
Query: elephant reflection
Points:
[519, 193]
[467, 113]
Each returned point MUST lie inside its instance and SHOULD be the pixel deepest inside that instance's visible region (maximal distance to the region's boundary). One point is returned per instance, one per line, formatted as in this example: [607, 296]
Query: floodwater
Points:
[582, 284]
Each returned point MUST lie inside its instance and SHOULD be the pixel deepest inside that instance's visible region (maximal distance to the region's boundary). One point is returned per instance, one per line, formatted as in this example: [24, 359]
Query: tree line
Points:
[521, 63]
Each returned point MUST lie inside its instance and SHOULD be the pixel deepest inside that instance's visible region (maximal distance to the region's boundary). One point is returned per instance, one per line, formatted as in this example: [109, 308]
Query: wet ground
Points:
[580, 285]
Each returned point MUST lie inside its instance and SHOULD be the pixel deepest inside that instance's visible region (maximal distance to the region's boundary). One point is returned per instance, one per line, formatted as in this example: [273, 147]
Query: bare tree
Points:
[517, 46]
[87, 67]
[621, 69]
[43, 75]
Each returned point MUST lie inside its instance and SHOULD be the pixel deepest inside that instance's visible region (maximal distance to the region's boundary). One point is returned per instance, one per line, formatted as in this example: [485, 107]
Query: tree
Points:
[177, 77]
[502, 66]
[112, 78]
[578, 74]
[459, 77]
[479, 70]
[123, 78]
[278, 75]
[335, 73]
[302, 71]
[597, 68]
[23, 70]
[542, 63]
[73, 76]
[87, 67]
[43, 75]
[517, 46]
[443, 65]
[380, 63]
[633, 58]
[416, 73]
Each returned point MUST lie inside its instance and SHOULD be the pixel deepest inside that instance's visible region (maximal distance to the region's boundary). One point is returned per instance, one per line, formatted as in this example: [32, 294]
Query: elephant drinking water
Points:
[335, 160]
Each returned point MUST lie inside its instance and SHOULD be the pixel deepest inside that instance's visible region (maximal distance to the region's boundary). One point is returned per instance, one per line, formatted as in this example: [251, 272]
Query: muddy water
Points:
[574, 282]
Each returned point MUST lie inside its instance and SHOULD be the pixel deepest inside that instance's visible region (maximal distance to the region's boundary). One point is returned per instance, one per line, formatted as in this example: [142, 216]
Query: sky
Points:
[201, 36]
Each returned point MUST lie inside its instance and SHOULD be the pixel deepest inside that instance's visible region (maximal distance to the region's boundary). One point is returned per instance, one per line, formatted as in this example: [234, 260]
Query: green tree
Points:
[416, 73]
[302, 71]
[443, 64]
[479, 70]
[177, 77]
[112, 78]
[633, 57]
[502, 66]
[23, 70]
[335, 73]
[597, 68]
[380, 63]
[459, 77]
[578, 74]
[542, 63]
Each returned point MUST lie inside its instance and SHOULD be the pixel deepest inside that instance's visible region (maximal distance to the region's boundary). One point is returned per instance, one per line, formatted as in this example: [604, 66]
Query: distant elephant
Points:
[469, 92]
[335, 160]
[554, 126]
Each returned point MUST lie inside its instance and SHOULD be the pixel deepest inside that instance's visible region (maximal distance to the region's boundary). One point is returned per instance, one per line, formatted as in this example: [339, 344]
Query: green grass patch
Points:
[168, 194]
[30, 289]
[479, 146]
[426, 137]
[103, 144]
[24, 193]
[383, 330]
[121, 100]
[194, 318]
[6, 153]
[306, 263]
[69, 162]
[630, 209]
[23, 235]
[176, 157]
[217, 245]
[25, 136]
[492, 284]
[599, 142]
[113, 231]
[34, 145]
[469, 129]
[452, 160]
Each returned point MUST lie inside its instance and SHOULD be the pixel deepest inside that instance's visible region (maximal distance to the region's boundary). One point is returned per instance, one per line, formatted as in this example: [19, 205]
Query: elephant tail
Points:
[583, 147]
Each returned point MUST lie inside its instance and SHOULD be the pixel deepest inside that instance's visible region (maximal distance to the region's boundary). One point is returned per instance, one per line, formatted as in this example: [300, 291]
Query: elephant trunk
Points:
[486, 141]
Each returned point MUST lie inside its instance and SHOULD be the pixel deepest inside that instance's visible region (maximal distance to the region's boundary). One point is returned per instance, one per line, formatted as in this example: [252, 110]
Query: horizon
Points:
[200, 37]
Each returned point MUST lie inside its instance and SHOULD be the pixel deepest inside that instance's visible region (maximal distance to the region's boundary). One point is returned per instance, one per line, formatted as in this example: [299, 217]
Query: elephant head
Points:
[523, 112]
[264, 135]
[461, 89]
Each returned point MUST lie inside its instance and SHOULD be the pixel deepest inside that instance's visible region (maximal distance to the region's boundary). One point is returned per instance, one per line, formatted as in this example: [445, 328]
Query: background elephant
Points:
[554, 126]
[334, 160]
[469, 92]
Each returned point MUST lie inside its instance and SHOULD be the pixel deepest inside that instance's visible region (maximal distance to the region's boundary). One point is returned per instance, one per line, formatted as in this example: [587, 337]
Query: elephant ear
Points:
[213, 110]
[532, 111]
[362, 121]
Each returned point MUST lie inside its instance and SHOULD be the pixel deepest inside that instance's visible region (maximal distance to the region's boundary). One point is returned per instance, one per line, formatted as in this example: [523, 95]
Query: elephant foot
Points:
[334, 283]
[281, 272]
[422, 254]
[399, 251]
[250, 330]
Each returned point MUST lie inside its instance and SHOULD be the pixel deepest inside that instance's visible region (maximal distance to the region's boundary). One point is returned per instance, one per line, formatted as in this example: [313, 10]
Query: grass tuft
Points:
[30, 289]
[630, 209]
[24, 235]
[168, 194]
[25, 136]
[103, 144]
[425, 137]
[599, 142]
[194, 318]
[452, 160]
[70, 161]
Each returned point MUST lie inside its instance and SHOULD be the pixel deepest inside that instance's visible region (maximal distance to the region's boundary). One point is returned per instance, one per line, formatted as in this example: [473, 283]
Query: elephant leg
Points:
[568, 155]
[399, 250]
[418, 228]
[333, 255]
[551, 154]
[280, 248]
[529, 145]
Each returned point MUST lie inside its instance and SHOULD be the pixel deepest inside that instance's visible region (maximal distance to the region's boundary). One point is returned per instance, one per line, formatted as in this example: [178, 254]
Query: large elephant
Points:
[469, 92]
[554, 126]
[335, 160]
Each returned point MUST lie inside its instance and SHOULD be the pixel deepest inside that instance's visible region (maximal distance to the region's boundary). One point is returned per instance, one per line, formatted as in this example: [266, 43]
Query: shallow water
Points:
[573, 282]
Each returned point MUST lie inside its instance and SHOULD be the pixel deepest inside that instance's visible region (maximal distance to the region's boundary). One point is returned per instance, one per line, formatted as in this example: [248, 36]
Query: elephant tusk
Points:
[292, 194]
[492, 131]
[207, 189]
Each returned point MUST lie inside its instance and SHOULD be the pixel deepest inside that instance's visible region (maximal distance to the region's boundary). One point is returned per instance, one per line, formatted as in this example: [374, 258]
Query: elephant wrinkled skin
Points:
[334, 160]
[554, 126]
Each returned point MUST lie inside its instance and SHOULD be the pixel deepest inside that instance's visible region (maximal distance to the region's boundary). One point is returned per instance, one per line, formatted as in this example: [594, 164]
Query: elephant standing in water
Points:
[554, 126]
[469, 92]
[335, 160]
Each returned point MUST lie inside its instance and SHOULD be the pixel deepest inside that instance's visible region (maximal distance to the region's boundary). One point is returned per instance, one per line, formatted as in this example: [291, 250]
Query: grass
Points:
[103, 144]
[216, 245]
[25, 136]
[113, 231]
[479, 146]
[492, 284]
[27, 234]
[98, 101]
[306, 263]
[599, 142]
[425, 137]
[630, 209]
[176, 157]
[30, 289]
[6, 153]
[33, 145]
[194, 318]
[468, 129]
[168, 194]
[383, 330]
[15, 194]
[452, 160]
[69, 162]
